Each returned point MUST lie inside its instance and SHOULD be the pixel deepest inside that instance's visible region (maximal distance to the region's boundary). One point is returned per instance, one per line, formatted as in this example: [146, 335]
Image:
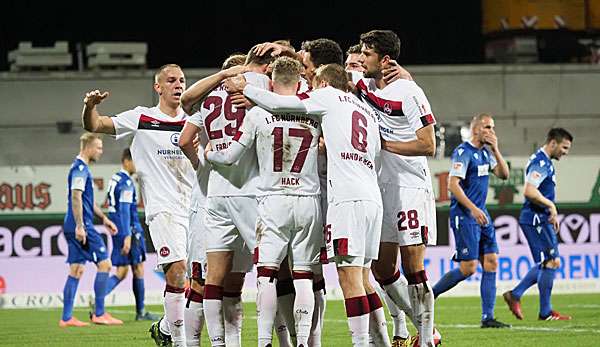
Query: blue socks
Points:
[100, 291]
[545, 281]
[529, 280]
[113, 281]
[488, 295]
[69, 297]
[448, 281]
[138, 292]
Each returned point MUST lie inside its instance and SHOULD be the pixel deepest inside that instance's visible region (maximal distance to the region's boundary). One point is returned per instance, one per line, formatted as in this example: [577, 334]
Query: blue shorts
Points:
[94, 249]
[137, 252]
[542, 241]
[472, 240]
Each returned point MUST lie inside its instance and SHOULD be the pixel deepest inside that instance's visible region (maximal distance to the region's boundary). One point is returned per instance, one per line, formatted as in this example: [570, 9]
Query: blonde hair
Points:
[163, 68]
[286, 71]
[87, 138]
[334, 75]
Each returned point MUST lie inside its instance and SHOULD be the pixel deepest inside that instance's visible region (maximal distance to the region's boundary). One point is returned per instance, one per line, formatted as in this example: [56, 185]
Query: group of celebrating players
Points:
[288, 160]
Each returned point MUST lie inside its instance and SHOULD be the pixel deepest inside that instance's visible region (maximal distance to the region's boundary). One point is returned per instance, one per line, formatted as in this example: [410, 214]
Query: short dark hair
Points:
[126, 155]
[324, 51]
[355, 49]
[264, 59]
[558, 134]
[334, 75]
[383, 42]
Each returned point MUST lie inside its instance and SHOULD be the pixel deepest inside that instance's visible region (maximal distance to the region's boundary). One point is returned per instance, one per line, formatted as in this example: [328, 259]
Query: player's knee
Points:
[468, 268]
[104, 266]
[552, 263]
[138, 270]
[234, 281]
[76, 271]
[490, 262]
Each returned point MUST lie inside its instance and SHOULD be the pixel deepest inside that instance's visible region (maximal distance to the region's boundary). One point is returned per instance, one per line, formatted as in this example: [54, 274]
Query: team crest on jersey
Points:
[175, 139]
[165, 251]
[387, 108]
[476, 156]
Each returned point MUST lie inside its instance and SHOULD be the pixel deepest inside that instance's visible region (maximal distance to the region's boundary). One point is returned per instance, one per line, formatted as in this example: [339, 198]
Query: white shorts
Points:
[169, 237]
[291, 225]
[196, 248]
[408, 215]
[355, 228]
[231, 223]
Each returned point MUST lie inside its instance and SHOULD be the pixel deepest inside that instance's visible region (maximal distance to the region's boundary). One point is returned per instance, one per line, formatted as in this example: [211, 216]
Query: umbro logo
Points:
[155, 123]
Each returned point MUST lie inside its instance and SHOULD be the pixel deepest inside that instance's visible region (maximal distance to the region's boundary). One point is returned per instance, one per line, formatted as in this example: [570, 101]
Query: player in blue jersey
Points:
[85, 243]
[473, 228]
[539, 223]
[129, 245]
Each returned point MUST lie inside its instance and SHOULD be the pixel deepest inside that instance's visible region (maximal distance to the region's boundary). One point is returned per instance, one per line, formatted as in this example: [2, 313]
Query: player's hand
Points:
[95, 97]
[263, 48]
[126, 245]
[238, 100]
[80, 234]
[235, 84]
[479, 216]
[112, 228]
[234, 71]
[207, 149]
[393, 72]
[553, 218]
[491, 140]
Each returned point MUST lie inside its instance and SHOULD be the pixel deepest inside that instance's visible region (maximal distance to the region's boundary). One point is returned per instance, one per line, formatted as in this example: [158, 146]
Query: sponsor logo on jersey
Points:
[175, 139]
[483, 170]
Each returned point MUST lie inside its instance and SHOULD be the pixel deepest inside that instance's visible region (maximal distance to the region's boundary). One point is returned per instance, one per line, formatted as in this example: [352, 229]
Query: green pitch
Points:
[456, 318]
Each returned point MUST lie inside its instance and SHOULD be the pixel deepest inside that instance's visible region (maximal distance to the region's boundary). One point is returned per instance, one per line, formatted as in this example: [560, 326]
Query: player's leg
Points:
[320, 306]
[489, 262]
[69, 292]
[196, 251]
[139, 292]
[286, 294]
[355, 298]
[114, 280]
[550, 264]
[513, 297]
[467, 238]
[377, 323]
[400, 331]
[120, 261]
[233, 310]
[169, 236]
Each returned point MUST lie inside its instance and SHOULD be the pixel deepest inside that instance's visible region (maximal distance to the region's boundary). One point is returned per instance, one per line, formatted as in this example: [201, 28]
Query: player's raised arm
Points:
[201, 88]
[92, 120]
[186, 142]
[501, 168]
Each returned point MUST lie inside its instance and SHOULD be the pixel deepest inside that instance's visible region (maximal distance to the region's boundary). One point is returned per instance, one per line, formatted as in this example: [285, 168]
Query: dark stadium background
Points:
[203, 33]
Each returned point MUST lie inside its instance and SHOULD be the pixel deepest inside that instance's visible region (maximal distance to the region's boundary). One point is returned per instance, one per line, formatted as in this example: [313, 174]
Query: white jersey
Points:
[200, 186]
[221, 121]
[402, 109]
[166, 175]
[351, 137]
[286, 147]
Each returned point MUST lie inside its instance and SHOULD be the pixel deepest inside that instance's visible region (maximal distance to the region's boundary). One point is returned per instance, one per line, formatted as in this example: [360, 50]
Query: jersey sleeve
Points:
[246, 133]
[78, 179]
[258, 80]
[126, 123]
[459, 163]
[416, 108]
[196, 119]
[536, 172]
[274, 103]
[316, 101]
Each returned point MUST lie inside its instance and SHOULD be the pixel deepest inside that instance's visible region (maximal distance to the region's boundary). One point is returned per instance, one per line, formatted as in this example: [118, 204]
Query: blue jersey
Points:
[122, 204]
[80, 178]
[472, 165]
[539, 173]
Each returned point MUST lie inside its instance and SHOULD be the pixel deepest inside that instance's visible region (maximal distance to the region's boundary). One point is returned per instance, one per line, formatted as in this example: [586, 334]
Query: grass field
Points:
[456, 318]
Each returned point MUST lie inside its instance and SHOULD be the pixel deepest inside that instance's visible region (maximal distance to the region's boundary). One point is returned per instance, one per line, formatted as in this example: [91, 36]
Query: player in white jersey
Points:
[406, 126]
[352, 140]
[286, 147]
[231, 206]
[166, 179]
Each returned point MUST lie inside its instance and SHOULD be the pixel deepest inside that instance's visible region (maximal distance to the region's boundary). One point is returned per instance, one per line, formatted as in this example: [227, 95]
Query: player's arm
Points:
[135, 218]
[228, 156]
[457, 191]
[500, 168]
[186, 143]
[77, 209]
[92, 120]
[424, 144]
[112, 228]
[201, 88]
[533, 194]
[125, 225]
